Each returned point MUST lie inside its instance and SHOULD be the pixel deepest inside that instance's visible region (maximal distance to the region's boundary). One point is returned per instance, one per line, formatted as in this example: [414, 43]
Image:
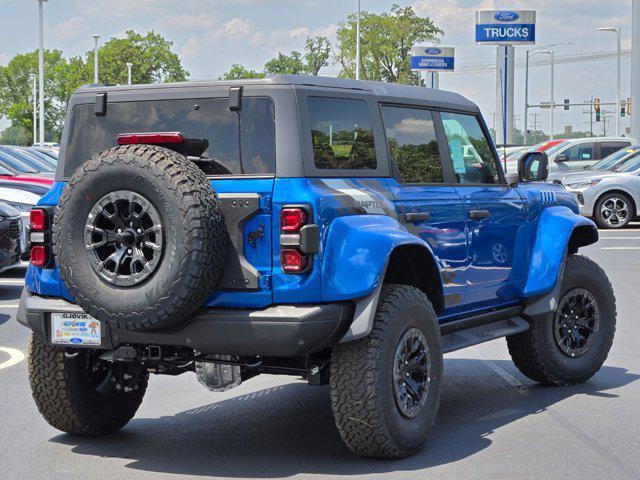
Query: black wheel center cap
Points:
[126, 238]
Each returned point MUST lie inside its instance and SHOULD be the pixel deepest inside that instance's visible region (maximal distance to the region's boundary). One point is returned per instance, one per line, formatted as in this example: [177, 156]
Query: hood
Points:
[575, 177]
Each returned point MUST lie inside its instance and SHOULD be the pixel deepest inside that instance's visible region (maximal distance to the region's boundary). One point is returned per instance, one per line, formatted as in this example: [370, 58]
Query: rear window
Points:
[239, 142]
[341, 133]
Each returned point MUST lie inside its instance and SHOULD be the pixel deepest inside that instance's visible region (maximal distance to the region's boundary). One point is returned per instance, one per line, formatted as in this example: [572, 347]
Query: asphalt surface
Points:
[493, 423]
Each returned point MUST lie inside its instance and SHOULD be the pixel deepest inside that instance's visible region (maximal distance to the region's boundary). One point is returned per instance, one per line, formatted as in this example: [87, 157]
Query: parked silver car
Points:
[612, 198]
[613, 163]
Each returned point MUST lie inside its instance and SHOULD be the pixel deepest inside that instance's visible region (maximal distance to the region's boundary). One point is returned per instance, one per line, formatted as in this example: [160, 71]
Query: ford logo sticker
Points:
[433, 51]
[507, 16]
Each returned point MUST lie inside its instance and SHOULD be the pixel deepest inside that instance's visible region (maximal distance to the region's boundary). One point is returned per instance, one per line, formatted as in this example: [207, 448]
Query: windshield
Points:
[14, 164]
[237, 142]
[555, 148]
[612, 161]
[40, 156]
[630, 165]
[36, 164]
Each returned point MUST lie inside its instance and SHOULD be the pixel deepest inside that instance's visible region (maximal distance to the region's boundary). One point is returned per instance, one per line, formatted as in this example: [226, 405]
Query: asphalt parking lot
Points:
[493, 422]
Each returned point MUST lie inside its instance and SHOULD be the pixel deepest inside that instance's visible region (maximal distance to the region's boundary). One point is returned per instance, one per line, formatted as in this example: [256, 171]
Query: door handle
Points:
[417, 217]
[479, 214]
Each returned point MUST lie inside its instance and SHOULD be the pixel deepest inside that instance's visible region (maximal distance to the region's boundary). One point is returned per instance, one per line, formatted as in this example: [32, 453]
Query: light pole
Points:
[617, 31]
[95, 57]
[358, 44]
[34, 99]
[531, 53]
[41, 65]
[635, 69]
[129, 65]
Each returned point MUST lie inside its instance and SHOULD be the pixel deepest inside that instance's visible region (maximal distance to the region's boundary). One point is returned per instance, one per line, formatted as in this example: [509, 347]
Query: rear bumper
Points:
[278, 331]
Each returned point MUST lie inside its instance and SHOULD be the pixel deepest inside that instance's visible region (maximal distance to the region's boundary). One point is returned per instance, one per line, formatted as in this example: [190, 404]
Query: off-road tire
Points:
[597, 211]
[536, 352]
[194, 246]
[62, 392]
[362, 398]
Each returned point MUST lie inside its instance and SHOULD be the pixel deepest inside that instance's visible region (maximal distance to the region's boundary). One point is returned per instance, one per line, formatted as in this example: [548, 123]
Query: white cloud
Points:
[69, 28]
[237, 27]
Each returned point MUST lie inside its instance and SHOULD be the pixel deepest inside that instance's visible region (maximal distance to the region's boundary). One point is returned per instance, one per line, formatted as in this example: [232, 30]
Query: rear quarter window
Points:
[239, 142]
[341, 134]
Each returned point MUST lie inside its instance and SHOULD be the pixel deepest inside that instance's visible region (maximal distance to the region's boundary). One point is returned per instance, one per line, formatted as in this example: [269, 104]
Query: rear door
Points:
[427, 206]
[494, 212]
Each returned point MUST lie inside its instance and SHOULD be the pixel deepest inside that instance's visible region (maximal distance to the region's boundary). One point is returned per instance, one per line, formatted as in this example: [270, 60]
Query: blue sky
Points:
[210, 35]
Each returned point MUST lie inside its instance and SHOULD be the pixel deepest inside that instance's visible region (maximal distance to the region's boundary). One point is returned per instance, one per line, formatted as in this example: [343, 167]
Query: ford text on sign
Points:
[506, 27]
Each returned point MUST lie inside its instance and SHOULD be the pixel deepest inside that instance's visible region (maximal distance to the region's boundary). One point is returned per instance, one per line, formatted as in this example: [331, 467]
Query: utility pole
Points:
[358, 44]
[129, 65]
[635, 67]
[41, 66]
[34, 95]
[95, 58]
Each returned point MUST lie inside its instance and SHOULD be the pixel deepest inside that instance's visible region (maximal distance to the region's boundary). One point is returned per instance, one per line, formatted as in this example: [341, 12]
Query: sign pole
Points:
[505, 71]
[434, 80]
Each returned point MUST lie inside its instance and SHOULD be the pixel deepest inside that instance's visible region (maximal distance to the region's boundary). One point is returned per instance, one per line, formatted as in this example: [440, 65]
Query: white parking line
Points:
[15, 357]
[9, 305]
[11, 281]
[619, 238]
[620, 248]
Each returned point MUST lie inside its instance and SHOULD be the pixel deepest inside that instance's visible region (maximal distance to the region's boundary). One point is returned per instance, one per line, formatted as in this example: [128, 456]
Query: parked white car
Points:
[580, 153]
[611, 199]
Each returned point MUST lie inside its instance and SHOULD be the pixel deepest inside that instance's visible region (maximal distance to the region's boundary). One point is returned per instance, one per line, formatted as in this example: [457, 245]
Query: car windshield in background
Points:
[630, 165]
[33, 162]
[250, 131]
[555, 148]
[612, 160]
[14, 164]
[40, 156]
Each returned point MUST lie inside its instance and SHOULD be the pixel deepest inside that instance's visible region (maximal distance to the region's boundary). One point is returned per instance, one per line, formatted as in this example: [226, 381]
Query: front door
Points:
[428, 207]
[496, 217]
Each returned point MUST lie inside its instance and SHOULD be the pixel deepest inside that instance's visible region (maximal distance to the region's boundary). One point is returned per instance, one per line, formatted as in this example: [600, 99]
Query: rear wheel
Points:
[614, 210]
[569, 345]
[385, 388]
[78, 393]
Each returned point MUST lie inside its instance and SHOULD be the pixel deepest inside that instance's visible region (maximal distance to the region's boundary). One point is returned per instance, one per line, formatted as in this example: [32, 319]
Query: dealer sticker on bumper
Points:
[75, 329]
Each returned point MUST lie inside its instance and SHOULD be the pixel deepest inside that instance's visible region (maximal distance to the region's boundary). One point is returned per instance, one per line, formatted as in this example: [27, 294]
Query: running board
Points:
[459, 339]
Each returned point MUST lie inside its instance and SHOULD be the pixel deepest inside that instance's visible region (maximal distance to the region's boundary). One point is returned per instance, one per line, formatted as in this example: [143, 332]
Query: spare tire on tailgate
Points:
[139, 237]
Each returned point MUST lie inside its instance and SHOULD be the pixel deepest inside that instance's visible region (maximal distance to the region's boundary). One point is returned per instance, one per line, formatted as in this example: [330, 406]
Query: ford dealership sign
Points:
[433, 59]
[506, 27]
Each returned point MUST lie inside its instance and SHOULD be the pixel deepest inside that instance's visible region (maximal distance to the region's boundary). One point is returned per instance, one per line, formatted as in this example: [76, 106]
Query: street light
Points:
[358, 44]
[95, 57]
[41, 65]
[129, 65]
[530, 53]
[635, 68]
[617, 31]
[34, 95]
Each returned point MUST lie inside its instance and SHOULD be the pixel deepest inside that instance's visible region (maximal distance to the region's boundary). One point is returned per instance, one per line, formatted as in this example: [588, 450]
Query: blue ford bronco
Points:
[346, 232]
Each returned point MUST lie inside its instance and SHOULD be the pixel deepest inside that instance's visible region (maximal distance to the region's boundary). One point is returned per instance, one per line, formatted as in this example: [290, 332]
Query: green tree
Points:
[386, 42]
[16, 135]
[151, 56]
[16, 101]
[238, 72]
[315, 57]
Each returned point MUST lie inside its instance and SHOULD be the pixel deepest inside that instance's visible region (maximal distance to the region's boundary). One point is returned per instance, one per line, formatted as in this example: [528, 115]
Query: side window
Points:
[412, 144]
[580, 152]
[471, 154]
[607, 148]
[341, 134]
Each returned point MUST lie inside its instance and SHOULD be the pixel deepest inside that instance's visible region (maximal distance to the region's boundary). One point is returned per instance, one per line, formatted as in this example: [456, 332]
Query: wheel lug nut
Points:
[129, 251]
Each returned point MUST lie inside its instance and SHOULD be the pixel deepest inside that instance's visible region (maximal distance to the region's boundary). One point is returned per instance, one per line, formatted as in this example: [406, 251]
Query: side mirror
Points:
[561, 158]
[533, 167]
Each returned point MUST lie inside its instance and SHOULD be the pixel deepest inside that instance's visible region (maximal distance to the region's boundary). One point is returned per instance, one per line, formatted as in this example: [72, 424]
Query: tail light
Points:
[153, 138]
[39, 224]
[298, 239]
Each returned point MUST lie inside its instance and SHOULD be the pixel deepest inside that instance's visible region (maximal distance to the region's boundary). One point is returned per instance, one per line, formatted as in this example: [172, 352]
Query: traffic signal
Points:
[628, 106]
[567, 102]
[596, 107]
[623, 110]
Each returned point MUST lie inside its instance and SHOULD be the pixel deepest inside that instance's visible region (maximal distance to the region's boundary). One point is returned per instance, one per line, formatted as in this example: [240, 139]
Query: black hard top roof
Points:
[386, 92]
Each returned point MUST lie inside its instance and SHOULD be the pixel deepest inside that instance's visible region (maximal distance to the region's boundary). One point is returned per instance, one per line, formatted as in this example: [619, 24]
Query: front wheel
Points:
[385, 388]
[614, 210]
[569, 345]
[78, 393]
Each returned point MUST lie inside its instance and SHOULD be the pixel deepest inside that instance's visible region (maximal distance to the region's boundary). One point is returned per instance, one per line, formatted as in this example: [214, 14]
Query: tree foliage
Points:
[238, 72]
[386, 42]
[16, 135]
[151, 55]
